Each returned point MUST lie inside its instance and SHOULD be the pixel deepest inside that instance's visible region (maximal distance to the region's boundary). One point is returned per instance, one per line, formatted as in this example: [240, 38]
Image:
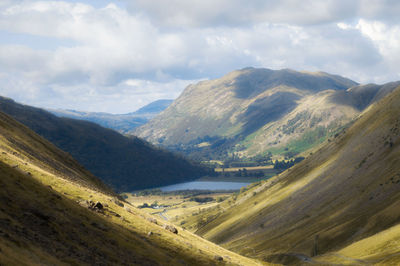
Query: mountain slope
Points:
[329, 204]
[153, 108]
[45, 219]
[244, 105]
[124, 163]
[120, 122]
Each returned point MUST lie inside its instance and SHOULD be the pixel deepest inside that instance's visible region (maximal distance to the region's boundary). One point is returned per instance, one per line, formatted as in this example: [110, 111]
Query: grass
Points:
[177, 208]
[248, 168]
[305, 142]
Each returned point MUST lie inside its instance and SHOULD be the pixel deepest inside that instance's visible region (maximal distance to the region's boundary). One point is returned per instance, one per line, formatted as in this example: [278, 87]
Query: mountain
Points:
[341, 203]
[122, 123]
[252, 111]
[154, 108]
[54, 212]
[126, 164]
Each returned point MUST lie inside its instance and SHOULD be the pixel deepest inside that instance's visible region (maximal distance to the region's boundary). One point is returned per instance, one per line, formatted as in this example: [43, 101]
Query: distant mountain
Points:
[54, 212]
[341, 203]
[153, 108]
[124, 163]
[232, 114]
[253, 112]
[122, 123]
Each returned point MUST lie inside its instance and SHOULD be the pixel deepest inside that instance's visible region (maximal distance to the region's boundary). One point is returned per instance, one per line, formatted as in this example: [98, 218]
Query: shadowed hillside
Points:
[341, 202]
[124, 163]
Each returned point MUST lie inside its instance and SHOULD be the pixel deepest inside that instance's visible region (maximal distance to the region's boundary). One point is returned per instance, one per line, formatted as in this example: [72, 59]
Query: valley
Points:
[199, 133]
[53, 211]
[322, 198]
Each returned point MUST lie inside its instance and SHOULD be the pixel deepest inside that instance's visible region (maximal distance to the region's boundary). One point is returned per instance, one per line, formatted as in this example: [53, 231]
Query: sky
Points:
[116, 56]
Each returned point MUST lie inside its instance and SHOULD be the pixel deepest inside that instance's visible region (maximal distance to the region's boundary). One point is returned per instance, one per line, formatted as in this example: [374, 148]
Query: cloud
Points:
[211, 13]
[77, 55]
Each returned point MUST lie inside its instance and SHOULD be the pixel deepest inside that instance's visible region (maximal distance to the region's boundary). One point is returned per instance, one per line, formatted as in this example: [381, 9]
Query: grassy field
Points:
[177, 208]
[248, 168]
[232, 178]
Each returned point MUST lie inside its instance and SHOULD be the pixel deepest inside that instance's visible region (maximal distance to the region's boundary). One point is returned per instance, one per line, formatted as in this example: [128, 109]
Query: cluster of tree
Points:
[245, 173]
[282, 165]
[220, 148]
[202, 200]
[152, 206]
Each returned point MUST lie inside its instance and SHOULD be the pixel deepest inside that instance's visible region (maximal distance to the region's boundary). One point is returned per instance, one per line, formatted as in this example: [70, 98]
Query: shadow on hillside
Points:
[267, 109]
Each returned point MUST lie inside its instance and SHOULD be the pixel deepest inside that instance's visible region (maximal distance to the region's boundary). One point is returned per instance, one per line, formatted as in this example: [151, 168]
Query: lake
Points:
[205, 185]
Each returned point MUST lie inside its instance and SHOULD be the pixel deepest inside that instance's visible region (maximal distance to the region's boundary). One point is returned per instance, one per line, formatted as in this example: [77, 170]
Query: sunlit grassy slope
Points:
[342, 201]
[41, 222]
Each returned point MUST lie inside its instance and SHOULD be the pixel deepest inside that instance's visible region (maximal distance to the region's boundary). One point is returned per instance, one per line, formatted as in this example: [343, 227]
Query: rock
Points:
[171, 228]
[99, 226]
[218, 258]
[150, 233]
[152, 220]
[94, 206]
[98, 205]
[84, 203]
[118, 203]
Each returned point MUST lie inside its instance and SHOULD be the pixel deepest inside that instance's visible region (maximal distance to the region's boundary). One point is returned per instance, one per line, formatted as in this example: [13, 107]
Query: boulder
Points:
[171, 228]
[152, 220]
[118, 203]
[98, 205]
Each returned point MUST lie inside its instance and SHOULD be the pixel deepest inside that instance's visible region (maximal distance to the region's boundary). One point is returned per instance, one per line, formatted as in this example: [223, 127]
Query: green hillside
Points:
[340, 205]
[126, 164]
[46, 215]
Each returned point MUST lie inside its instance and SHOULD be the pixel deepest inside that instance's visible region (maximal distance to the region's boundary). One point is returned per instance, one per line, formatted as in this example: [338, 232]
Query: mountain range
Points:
[122, 123]
[252, 112]
[126, 164]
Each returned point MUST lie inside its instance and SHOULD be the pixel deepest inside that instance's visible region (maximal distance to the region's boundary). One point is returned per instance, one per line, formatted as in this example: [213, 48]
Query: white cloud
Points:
[110, 58]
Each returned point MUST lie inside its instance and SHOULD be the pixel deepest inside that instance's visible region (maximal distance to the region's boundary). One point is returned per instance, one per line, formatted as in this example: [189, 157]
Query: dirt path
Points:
[161, 214]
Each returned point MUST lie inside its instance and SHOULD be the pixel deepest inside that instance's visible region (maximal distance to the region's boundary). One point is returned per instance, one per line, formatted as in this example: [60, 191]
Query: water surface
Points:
[205, 185]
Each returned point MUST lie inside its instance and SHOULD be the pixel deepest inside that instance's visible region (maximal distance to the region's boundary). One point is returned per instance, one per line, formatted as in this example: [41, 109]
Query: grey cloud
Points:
[210, 13]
